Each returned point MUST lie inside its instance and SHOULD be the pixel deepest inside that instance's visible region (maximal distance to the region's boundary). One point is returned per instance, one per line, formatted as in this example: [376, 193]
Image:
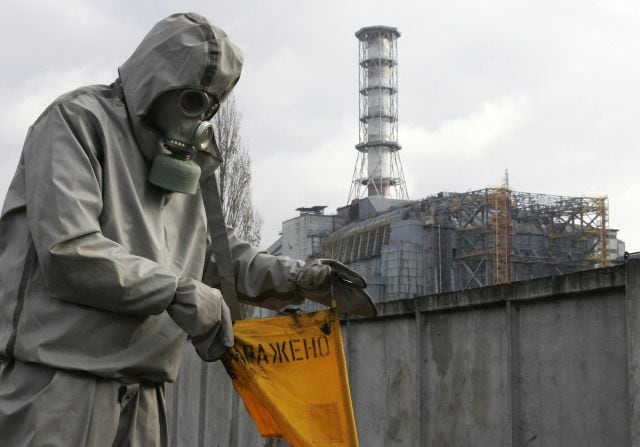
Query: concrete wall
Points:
[547, 362]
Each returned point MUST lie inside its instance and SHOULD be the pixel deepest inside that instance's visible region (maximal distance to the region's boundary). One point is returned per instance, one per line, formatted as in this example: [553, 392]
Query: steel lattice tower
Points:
[378, 169]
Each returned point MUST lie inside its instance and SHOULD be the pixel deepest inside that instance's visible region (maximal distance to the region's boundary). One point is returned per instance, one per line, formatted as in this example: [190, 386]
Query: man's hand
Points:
[323, 280]
[201, 312]
[314, 275]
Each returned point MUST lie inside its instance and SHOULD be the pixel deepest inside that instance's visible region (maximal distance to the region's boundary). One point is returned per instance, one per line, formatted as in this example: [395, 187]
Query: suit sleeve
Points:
[262, 279]
[64, 202]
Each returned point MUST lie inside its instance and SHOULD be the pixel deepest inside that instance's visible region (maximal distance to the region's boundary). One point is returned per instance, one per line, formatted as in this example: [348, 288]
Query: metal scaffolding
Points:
[502, 235]
[501, 203]
[575, 226]
[502, 226]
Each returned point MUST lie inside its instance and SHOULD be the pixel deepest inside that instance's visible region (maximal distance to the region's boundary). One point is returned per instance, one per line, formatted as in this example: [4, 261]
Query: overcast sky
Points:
[546, 89]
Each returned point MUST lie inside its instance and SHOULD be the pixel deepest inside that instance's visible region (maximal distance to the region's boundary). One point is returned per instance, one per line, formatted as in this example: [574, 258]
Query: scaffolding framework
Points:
[501, 204]
[576, 226]
[501, 232]
[502, 226]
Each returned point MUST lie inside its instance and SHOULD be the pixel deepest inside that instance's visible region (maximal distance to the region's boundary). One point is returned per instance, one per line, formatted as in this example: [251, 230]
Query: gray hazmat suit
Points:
[91, 253]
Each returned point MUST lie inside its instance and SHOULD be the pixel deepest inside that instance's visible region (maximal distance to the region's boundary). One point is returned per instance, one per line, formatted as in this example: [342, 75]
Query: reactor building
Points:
[448, 241]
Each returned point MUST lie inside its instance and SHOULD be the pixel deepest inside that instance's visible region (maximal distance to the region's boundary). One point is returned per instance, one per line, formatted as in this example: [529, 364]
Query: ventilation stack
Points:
[378, 170]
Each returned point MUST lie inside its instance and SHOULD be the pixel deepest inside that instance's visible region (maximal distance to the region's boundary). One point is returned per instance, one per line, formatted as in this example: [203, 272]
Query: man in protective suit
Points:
[108, 252]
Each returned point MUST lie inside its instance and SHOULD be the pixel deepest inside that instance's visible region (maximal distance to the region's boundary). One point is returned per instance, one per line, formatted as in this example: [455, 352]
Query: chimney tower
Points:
[378, 170]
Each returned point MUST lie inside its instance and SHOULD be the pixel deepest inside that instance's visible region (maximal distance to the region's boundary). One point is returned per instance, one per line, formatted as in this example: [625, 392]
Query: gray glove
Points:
[322, 280]
[314, 275]
[201, 312]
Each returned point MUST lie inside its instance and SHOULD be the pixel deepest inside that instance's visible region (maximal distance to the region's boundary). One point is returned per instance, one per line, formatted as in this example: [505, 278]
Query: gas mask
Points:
[182, 117]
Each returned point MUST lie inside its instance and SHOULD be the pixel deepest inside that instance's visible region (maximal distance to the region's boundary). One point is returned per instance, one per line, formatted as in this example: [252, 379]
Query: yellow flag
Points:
[291, 374]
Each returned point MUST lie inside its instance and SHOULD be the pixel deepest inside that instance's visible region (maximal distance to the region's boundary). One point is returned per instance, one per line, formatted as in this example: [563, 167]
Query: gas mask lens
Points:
[193, 103]
[196, 103]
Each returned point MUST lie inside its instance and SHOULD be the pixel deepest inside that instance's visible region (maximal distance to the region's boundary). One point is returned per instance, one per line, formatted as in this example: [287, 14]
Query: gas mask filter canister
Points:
[182, 116]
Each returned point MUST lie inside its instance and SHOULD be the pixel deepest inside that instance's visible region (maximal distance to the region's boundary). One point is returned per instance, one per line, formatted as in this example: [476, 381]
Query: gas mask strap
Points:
[220, 244]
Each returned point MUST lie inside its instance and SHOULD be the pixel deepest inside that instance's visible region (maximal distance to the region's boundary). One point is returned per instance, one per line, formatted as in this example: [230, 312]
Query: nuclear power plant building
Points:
[448, 241]
[454, 241]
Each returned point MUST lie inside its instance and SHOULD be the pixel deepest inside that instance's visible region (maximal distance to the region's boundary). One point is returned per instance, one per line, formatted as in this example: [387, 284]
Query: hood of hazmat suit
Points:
[90, 251]
[165, 61]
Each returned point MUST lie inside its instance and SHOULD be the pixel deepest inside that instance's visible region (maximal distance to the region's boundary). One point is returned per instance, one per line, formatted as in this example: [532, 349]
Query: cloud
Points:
[468, 136]
[316, 175]
[445, 157]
